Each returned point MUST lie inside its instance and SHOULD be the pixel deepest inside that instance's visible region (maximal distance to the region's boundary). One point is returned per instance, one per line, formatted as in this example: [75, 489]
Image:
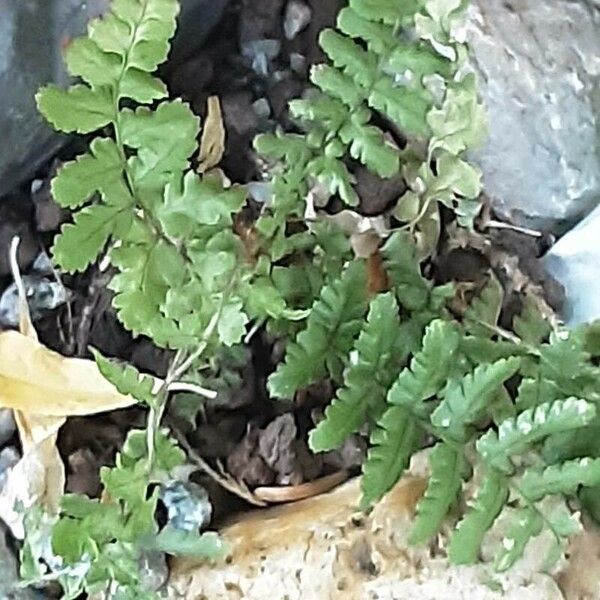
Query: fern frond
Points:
[519, 434]
[526, 524]
[466, 398]
[366, 379]
[445, 483]
[127, 379]
[402, 265]
[162, 228]
[563, 478]
[331, 326]
[394, 440]
[466, 540]
[530, 325]
[485, 309]
[428, 368]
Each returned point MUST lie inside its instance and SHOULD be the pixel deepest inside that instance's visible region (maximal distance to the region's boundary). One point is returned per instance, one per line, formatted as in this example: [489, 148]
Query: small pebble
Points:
[188, 505]
[42, 295]
[260, 191]
[262, 108]
[297, 17]
[297, 62]
[260, 52]
[43, 264]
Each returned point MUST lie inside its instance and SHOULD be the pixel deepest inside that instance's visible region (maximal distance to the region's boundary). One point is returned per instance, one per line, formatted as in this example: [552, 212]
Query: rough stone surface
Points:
[323, 548]
[32, 33]
[539, 67]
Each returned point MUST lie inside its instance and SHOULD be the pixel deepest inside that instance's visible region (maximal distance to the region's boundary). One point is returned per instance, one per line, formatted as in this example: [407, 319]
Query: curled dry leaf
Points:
[212, 145]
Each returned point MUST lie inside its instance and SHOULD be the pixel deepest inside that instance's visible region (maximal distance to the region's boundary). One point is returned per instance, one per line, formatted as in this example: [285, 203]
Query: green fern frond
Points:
[563, 478]
[127, 379]
[481, 317]
[393, 442]
[331, 326]
[402, 265]
[530, 325]
[516, 435]
[428, 368]
[366, 379]
[445, 483]
[163, 226]
[491, 498]
[526, 524]
[465, 399]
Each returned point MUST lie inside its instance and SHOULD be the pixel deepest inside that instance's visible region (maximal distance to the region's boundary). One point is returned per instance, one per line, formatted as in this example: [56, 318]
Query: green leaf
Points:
[428, 368]
[530, 325]
[485, 309]
[563, 478]
[461, 122]
[445, 483]
[518, 434]
[137, 31]
[368, 145]
[394, 440]
[232, 323]
[379, 38]
[466, 398]
[526, 524]
[366, 379]
[402, 265]
[405, 107]
[127, 379]
[100, 170]
[80, 243]
[466, 540]
[330, 330]
[164, 140]
[78, 109]
[178, 542]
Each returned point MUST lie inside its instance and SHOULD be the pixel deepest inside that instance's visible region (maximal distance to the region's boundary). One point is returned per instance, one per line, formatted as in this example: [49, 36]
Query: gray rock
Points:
[7, 427]
[539, 67]
[32, 33]
[43, 295]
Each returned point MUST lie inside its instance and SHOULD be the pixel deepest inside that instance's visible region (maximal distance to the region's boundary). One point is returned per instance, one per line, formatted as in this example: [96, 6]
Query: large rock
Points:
[32, 33]
[539, 67]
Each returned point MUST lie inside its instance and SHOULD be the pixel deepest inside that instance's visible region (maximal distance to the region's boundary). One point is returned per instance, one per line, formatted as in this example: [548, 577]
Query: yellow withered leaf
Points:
[212, 144]
[43, 389]
[36, 380]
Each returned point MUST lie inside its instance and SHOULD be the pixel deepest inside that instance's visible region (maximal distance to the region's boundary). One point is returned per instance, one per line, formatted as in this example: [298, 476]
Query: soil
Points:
[258, 442]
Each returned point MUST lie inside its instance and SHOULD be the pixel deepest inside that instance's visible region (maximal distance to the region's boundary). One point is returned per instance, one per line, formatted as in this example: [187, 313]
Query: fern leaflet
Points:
[527, 523]
[466, 398]
[330, 329]
[366, 379]
[518, 434]
[445, 483]
[563, 478]
[466, 540]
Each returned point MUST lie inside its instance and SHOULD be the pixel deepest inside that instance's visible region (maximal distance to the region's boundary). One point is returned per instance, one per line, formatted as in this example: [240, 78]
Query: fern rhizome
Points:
[509, 417]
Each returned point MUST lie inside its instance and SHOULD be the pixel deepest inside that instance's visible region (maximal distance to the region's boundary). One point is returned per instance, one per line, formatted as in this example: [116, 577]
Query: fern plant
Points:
[134, 193]
[395, 97]
[453, 393]
[509, 417]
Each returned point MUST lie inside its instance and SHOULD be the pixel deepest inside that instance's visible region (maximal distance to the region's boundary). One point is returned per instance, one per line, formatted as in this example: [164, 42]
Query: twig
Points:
[524, 230]
[225, 480]
[194, 388]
